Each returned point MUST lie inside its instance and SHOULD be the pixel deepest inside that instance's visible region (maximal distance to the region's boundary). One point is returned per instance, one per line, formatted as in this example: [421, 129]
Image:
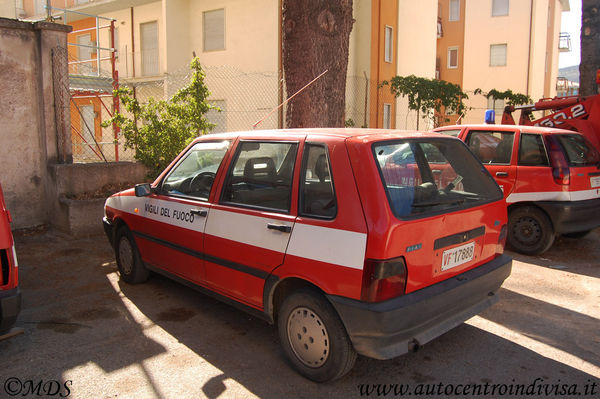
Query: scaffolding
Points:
[87, 80]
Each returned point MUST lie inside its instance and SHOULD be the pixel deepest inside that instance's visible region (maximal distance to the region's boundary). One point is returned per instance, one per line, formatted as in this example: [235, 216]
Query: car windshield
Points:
[426, 176]
[579, 151]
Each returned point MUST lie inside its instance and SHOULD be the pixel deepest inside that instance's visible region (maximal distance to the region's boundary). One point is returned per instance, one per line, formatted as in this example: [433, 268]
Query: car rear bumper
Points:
[10, 306]
[388, 329]
[573, 216]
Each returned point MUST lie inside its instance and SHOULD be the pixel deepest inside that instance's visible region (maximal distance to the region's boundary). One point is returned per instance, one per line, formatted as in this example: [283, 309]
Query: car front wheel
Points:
[313, 337]
[129, 261]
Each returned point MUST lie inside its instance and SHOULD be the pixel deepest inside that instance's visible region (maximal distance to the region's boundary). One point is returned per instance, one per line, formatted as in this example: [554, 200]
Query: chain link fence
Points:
[243, 98]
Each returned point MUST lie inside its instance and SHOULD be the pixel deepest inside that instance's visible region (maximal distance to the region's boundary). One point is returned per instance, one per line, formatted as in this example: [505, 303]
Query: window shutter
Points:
[454, 10]
[499, 8]
[498, 55]
[214, 30]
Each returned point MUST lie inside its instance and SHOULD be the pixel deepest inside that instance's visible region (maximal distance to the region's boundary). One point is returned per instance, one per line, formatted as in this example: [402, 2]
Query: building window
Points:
[498, 55]
[387, 116]
[84, 54]
[86, 119]
[149, 53]
[499, 8]
[389, 43]
[214, 30]
[454, 14]
[452, 57]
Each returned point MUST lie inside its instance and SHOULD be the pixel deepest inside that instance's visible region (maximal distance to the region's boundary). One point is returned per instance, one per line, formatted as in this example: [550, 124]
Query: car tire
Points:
[313, 337]
[530, 231]
[577, 234]
[129, 262]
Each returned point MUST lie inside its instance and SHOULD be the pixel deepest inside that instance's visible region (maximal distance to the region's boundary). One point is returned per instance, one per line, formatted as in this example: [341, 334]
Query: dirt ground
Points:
[89, 335]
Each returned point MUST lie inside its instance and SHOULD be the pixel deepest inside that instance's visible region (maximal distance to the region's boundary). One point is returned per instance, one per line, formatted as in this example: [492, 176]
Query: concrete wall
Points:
[28, 136]
[82, 217]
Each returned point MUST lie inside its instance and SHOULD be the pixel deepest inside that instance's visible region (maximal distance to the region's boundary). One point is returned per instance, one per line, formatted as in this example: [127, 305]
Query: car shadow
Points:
[78, 315]
[581, 254]
[246, 349]
[71, 314]
[559, 327]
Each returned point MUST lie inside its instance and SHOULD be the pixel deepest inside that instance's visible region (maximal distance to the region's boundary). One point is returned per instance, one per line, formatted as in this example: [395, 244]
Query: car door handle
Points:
[200, 212]
[280, 227]
[501, 174]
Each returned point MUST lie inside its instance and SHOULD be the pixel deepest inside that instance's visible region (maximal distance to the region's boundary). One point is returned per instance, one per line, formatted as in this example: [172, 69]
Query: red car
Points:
[322, 232]
[550, 179]
[10, 295]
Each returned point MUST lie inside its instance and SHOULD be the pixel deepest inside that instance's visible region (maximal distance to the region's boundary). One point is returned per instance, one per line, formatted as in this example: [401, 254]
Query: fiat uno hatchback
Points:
[351, 241]
[550, 178]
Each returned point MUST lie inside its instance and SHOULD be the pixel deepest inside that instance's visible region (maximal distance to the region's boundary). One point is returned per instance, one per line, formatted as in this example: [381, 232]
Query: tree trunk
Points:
[316, 34]
[590, 47]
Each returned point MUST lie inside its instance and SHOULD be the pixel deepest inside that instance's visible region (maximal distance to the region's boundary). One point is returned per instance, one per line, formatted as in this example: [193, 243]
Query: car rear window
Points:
[428, 176]
[578, 150]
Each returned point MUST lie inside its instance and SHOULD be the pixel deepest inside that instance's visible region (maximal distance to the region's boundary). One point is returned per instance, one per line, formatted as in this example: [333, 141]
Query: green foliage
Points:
[161, 129]
[349, 123]
[510, 97]
[434, 98]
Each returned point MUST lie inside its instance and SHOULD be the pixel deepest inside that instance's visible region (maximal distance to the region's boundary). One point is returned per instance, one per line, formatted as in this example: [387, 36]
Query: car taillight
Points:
[383, 279]
[560, 167]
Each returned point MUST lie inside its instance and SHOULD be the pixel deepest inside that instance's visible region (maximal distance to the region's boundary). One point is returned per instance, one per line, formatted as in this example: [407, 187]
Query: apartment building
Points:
[239, 45]
[499, 44]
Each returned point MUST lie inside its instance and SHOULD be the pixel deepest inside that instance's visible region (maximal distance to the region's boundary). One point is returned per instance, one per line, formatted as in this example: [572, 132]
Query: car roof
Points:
[368, 135]
[522, 128]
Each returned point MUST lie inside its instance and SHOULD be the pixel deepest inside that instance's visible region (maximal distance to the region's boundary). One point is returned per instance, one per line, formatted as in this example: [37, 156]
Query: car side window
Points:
[317, 193]
[195, 173]
[491, 147]
[261, 175]
[532, 151]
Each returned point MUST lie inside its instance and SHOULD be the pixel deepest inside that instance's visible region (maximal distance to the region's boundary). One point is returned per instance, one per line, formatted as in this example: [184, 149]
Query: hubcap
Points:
[308, 337]
[527, 231]
[125, 255]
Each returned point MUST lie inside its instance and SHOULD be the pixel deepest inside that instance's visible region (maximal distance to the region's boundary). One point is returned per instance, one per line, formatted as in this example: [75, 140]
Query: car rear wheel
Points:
[313, 337]
[129, 261]
[530, 231]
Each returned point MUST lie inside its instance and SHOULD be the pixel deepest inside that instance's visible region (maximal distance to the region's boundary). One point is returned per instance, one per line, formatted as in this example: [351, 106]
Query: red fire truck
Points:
[577, 113]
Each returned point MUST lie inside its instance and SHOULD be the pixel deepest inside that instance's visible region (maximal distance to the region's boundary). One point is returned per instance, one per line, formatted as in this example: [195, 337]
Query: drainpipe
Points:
[280, 82]
[133, 46]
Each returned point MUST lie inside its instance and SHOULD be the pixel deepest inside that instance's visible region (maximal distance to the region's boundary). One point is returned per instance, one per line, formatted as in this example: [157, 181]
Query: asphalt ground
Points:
[88, 335]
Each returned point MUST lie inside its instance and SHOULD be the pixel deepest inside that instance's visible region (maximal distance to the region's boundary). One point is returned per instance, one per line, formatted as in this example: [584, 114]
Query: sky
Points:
[571, 23]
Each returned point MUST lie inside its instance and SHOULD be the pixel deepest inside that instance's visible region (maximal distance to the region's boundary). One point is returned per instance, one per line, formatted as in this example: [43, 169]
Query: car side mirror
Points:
[143, 190]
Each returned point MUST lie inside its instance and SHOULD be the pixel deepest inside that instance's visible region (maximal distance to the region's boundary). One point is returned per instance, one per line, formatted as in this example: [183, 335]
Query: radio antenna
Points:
[289, 98]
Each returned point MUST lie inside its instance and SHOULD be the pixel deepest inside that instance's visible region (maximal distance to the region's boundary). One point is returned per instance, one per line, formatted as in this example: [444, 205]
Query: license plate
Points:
[595, 181]
[458, 256]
